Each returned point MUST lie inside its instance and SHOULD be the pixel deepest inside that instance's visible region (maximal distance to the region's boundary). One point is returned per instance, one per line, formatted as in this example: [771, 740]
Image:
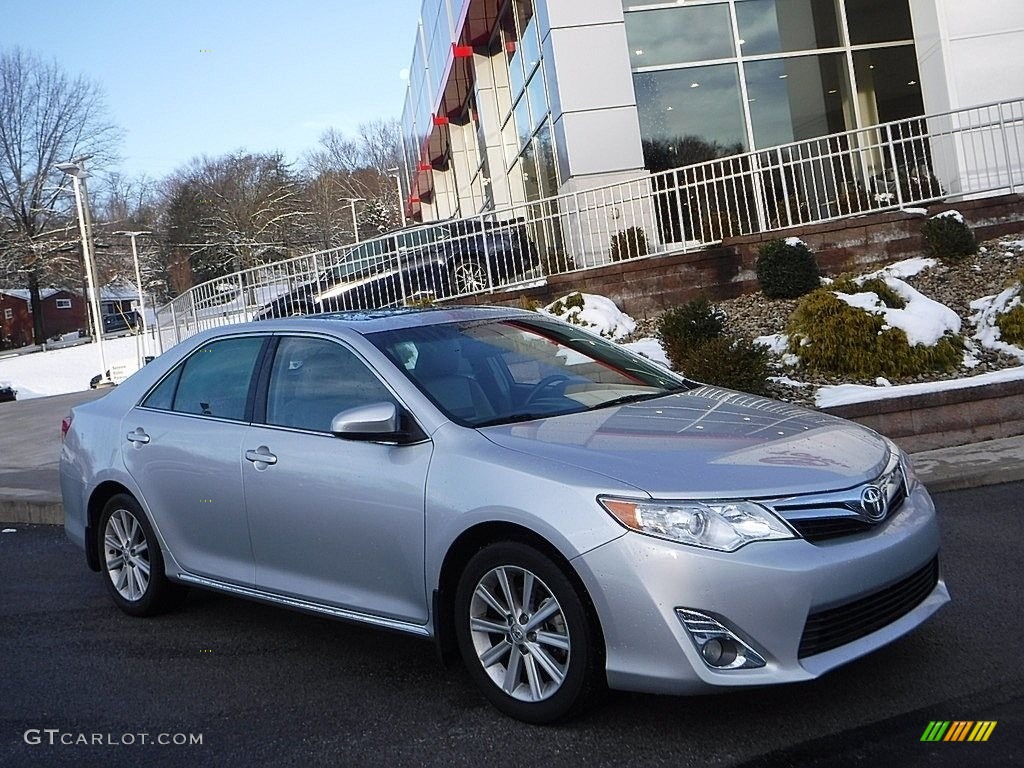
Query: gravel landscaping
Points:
[998, 264]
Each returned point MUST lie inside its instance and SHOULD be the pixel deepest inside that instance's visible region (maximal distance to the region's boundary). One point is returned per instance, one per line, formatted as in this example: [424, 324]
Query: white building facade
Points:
[511, 101]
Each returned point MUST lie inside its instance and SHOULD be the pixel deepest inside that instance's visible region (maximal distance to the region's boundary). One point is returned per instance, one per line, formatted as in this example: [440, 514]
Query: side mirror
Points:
[367, 422]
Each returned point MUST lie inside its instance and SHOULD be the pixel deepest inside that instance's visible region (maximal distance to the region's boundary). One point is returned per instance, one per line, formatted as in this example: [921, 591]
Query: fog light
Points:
[719, 653]
[719, 646]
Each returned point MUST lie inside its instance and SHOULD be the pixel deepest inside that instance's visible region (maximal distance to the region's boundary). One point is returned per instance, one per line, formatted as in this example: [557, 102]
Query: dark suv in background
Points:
[414, 265]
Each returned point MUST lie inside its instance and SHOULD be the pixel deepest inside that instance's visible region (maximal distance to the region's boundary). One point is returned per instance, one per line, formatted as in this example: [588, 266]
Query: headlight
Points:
[725, 526]
[906, 464]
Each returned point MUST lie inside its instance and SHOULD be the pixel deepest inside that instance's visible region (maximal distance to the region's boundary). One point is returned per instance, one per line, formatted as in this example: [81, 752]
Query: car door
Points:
[183, 446]
[333, 520]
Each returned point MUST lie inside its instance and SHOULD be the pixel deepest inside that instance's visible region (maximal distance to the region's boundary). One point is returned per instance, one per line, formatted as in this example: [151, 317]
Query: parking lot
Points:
[266, 686]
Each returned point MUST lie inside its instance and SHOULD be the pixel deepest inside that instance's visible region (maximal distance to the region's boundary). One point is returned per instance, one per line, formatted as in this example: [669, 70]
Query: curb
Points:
[31, 512]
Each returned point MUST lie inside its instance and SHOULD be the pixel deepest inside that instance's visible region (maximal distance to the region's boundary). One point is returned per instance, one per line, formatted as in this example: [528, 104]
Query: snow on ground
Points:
[59, 371]
[987, 310]
[844, 394]
[651, 349]
[794, 241]
[900, 269]
[598, 313]
[777, 343]
[916, 211]
[924, 320]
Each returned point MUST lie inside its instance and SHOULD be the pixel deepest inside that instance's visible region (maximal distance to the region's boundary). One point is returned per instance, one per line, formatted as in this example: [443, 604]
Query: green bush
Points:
[786, 271]
[629, 244]
[731, 363]
[949, 238]
[1011, 326]
[682, 328]
[831, 337]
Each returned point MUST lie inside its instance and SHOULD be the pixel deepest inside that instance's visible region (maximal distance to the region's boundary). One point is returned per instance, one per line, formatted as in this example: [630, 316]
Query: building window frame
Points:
[62, 303]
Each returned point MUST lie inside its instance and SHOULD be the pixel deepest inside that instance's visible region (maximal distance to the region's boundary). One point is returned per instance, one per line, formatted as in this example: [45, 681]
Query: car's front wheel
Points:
[525, 634]
[131, 560]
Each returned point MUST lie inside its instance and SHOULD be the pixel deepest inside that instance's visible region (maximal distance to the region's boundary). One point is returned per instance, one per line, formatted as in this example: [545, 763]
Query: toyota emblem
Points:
[874, 503]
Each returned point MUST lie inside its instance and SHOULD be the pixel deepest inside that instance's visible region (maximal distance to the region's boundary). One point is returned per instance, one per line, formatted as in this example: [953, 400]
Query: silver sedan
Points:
[563, 514]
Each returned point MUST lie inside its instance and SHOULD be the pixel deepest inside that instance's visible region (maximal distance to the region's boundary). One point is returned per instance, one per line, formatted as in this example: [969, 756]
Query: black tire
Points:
[537, 696]
[123, 559]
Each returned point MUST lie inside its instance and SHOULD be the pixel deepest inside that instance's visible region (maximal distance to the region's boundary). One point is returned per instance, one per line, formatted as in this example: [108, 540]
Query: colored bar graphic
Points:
[958, 730]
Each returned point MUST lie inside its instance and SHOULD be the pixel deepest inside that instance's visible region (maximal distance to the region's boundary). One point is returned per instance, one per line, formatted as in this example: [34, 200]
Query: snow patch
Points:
[916, 211]
[795, 241]
[844, 394]
[881, 381]
[598, 314]
[9, 530]
[900, 269]
[785, 380]
[924, 320]
[651, 349]
[777, 343]
[987, 311]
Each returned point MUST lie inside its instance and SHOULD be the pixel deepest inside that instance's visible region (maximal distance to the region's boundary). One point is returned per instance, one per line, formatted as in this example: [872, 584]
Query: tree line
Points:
[212, 216]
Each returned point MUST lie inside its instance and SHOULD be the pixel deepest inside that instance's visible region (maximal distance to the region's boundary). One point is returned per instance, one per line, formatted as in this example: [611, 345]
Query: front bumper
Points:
[766, 590]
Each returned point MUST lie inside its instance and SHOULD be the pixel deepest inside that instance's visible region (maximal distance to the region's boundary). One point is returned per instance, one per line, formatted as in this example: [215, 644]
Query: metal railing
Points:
[970, 152]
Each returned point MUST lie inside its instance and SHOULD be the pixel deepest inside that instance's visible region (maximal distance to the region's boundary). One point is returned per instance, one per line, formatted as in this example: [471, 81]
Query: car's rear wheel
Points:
[468, 276]
[525, 634]
[131, 560]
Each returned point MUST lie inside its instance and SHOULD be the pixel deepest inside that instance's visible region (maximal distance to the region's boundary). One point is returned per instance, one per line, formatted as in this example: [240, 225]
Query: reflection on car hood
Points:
[706, 443]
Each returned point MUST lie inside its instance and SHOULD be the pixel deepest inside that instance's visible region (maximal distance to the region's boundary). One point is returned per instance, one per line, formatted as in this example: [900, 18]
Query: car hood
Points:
[706, 443]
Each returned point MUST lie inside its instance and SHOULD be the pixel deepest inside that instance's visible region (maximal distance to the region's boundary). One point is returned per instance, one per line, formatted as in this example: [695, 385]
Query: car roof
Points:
[366, 322]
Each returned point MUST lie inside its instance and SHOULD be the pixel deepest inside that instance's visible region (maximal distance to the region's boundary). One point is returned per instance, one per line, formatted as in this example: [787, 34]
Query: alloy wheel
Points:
[469, 277]
[520, 634]
[126, 551]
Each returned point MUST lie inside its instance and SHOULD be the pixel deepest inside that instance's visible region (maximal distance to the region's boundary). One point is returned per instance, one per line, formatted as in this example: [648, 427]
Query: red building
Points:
[63, 312]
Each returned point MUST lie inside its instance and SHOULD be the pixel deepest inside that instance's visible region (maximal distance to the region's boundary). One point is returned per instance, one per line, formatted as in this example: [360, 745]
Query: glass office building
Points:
[510, 101]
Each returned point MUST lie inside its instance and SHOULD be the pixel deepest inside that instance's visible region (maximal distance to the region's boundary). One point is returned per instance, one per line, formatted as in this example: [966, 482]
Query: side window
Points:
[313, 380]
[215, 379]
[163, 396]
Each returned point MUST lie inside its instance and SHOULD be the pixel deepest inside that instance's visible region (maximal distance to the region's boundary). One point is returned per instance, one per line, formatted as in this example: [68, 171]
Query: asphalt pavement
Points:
[264, 686]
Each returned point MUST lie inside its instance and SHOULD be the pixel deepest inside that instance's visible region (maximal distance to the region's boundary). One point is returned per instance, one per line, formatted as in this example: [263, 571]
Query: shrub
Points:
[529, 303]
[786, 269]
[1011, 326]
[421, 300]
[686, 326]
[831, 337]
[630, 243]
[732, 363]
[948, 237]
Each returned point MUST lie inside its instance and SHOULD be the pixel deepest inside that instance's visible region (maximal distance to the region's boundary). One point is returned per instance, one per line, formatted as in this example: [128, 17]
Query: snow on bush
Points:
[988, 310]
[924, 320]
[596, 313]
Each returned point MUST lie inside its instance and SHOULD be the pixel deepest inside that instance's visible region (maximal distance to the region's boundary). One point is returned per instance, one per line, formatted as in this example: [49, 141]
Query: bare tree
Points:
[46, 117]
[344, 167]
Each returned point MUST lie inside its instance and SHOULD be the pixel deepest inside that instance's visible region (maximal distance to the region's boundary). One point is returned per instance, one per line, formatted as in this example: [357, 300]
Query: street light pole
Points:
[138, 283]
[355, 224]
[76, 171]
[393, 172]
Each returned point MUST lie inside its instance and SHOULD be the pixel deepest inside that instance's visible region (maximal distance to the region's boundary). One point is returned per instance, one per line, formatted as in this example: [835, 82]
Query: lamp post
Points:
[355, 224]
[138, 283]
[393, 173]
[76, 170]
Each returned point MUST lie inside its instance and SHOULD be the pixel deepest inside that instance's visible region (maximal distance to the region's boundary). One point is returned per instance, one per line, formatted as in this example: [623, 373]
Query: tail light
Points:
[65, 425]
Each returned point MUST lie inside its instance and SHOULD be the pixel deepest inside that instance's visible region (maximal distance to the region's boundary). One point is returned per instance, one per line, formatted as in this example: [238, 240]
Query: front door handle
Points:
[261, 455]
[138, 436]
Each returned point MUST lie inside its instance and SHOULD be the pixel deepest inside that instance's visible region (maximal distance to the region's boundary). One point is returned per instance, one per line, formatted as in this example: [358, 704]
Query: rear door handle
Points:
[138, 436]
[261, 455]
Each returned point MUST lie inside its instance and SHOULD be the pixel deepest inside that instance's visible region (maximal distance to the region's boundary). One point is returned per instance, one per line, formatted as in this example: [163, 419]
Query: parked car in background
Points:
[122, 321]
[415, 265]
[560, 512]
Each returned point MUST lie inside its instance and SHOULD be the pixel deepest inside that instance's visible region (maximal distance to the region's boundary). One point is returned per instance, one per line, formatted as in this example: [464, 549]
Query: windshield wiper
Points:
[514, 418]
[640, 396]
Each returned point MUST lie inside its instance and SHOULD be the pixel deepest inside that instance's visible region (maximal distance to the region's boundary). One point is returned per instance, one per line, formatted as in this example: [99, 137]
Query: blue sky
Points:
[277, 74]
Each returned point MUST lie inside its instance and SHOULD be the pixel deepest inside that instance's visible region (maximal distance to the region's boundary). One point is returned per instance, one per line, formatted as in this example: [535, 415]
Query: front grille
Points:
[843, 624]
[823, 528]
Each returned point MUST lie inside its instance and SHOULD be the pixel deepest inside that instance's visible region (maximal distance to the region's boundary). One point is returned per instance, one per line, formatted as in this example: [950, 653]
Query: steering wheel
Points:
[546, 383]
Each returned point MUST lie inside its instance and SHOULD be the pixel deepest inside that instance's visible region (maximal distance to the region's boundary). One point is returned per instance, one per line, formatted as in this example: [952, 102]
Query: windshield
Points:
[500, 371]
